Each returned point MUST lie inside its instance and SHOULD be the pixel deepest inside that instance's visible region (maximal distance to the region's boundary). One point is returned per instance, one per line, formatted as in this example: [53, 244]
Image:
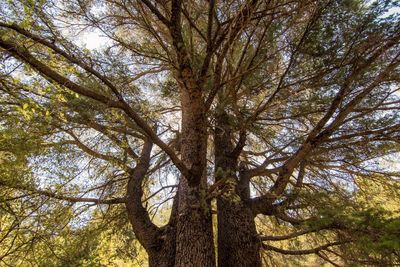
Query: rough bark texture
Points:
[238, 244]
[164, 254]
[194, 238]
[194, 235]
[158, 242]
[194, 218]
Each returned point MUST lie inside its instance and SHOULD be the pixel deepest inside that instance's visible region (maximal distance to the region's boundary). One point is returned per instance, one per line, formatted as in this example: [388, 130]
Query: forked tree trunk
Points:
[238, 244]
[158, 242]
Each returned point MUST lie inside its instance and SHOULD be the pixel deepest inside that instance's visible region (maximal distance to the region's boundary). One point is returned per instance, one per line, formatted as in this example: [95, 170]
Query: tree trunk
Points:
[164, 255]
[158, 242]
[238, 244]
[195, 246]
[194, 236]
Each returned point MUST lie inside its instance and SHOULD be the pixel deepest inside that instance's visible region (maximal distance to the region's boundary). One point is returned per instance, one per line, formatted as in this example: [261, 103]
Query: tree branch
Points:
[305, 251]
[71, 199]
[157, 12]
[145, 230]
[24, 55]
[315, 138]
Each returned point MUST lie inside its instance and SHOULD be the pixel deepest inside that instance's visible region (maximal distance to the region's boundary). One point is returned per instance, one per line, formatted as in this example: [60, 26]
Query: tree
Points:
[273, 109]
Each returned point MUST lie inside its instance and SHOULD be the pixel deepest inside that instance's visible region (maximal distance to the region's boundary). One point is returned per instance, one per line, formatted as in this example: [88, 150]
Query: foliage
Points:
[296, 100]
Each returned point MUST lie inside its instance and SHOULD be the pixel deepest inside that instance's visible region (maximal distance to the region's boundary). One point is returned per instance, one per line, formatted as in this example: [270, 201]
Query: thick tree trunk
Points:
[164, 255]
[195, 246]
[238, 244]
[194, 236]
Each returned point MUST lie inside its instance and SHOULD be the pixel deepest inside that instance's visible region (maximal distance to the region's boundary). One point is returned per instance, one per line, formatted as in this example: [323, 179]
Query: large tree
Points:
[277, 111]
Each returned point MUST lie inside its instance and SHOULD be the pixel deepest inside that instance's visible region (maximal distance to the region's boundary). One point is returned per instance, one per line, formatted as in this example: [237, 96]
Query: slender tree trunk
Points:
[238, 244]
[194, 236]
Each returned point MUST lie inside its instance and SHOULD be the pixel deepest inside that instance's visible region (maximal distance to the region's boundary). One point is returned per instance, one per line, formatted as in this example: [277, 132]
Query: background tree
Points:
[277, 110]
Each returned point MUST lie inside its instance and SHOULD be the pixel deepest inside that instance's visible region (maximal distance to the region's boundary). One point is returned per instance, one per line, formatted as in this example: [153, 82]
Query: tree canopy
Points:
[199, 133]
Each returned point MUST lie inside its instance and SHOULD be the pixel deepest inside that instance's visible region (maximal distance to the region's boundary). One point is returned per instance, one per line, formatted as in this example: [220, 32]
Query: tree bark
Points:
[194, 246]
[158, 242]
[238, 244]
[164, 254]
[194, 237]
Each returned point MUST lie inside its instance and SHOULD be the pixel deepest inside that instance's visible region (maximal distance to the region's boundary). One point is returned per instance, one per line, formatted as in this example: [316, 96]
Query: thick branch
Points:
[143, 227]
[24, 55]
